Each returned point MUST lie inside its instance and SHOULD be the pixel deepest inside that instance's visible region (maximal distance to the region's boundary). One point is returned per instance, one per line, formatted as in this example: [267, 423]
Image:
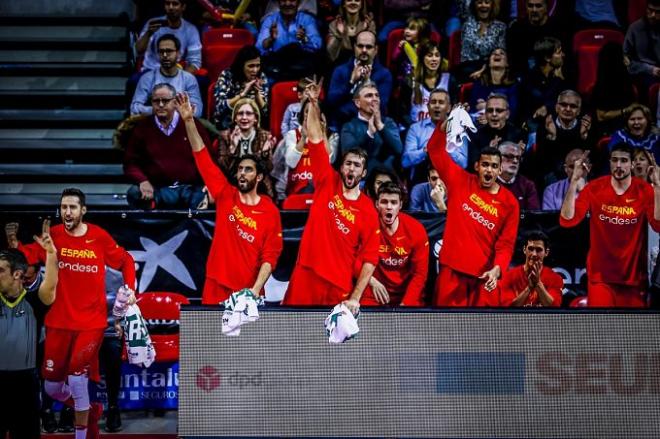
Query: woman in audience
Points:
[245, 137]
[481, 33]
[495, 78]
[642, 162]
[639, 131]
[244, 79]
[613, 91]
[431, 72]
[353, 18]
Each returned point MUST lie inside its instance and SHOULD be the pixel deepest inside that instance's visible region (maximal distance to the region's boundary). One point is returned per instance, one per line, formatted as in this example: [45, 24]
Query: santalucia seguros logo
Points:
[209, 379]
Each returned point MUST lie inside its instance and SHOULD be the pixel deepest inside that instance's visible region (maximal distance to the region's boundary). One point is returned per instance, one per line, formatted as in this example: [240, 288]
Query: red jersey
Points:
[80, 302]
[618, 230]
[480, 231]
[299, 179]
[515, 281]
[245, 237]
[403, 263]
[338, 230]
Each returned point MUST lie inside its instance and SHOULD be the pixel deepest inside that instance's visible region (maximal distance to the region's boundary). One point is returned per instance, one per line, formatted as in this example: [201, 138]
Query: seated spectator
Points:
[348, 76]
[494, 127]
[171, 23]
[415, 157]
[596, 14]
[554, 194]
[369, 130]
[643, 163]
[545, 80]
[523, 35]
[430, 74]
[400, 276]
[495, 78]
[480, 35]
[416, 34]
[613, 90]
[430, 196]
[564, 129]
[638, 131]
[353, 18]
[290, 120]
[520, 186]
[289, 41]
[158, 160]
[376, 178]
[168, 73]
[642, 48]
[245, 137]
[532, 284]
[292, 167]
[244, 79]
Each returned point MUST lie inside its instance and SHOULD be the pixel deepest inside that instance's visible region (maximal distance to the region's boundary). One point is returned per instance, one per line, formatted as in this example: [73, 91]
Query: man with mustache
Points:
[480, 230]
[532, 284]
[339, 247]
[621, 207]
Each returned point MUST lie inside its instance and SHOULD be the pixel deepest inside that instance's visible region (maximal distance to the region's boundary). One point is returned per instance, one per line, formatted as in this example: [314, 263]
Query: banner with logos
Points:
[419, 374]
[170, 248]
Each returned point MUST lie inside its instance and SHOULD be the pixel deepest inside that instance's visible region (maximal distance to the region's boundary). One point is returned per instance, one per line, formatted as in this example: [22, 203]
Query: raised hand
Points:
[340, 25]
[235, 139]
[147, 190]
[585, 126]
[580, 168]
[183, 106]
[44, 240]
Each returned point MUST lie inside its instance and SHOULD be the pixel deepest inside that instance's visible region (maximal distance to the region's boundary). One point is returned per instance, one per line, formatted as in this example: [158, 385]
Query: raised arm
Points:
[447, 169]
[49, 284]
[574, 209]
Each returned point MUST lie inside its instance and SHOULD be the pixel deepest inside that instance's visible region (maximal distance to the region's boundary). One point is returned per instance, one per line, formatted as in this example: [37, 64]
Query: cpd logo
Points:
[209, 379]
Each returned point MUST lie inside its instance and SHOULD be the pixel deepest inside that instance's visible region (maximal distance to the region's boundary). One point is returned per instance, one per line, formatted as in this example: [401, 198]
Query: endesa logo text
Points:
[624, 374]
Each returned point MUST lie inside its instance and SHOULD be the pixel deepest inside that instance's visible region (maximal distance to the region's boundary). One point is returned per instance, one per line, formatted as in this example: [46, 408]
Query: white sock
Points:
[81, 433]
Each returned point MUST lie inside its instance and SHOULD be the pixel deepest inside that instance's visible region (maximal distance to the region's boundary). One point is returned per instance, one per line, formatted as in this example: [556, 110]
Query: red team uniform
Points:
[245, 237]
[515, 281]
[616, 264]
[77, 319]
[480, 232]
[299, 179]
[337, 233]
[403, 264]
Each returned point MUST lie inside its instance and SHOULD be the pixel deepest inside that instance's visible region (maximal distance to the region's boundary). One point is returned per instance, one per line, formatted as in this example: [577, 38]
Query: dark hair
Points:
[358, 152]
[371, 179]
[537, 235]
[245, 54]
[258, 163]
[169, 37]
[486, 77]
[15, 259]
[419, 73]
[390, 187]
[545, 48]
[613, 88]
[646, 111]
[363, 13]
[74, 192]
[494, 12]
[622, 147]
[489, 150]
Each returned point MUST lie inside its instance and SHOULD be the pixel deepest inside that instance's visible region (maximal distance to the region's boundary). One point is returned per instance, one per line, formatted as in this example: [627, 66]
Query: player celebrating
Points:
[620, 207]
[480, 231]
[77, 319]
[403, 253]
[248, 233]
[342, 227]
[532, 284]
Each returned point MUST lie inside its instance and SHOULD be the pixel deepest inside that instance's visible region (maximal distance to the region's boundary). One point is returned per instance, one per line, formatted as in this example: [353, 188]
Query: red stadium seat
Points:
[454, 50]
[218, 57]
[586, 45]
[636, 10]
[297, 202]
[579, 302]
[163, 307]
[464, 92]
[601, 147]
[393, 39]
[653, 97]
[281, 95]
[239, 37]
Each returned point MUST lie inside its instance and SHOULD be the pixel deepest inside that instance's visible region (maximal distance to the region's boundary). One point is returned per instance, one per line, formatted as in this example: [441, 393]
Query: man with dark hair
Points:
[21, 318]
[77, 319]
[247, 240]
[642, 47]
[403, 252]
[168, 73]
[340, 241]
[430, 196]
[170, 23]
[369, 130]
[532, 284]
[621, 208]
[480, 231]
[158, 160]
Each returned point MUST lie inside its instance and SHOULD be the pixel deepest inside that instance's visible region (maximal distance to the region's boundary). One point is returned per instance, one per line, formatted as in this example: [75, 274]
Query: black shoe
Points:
[112, 419]
[66, 421]
[159, 413]
[48, 421]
